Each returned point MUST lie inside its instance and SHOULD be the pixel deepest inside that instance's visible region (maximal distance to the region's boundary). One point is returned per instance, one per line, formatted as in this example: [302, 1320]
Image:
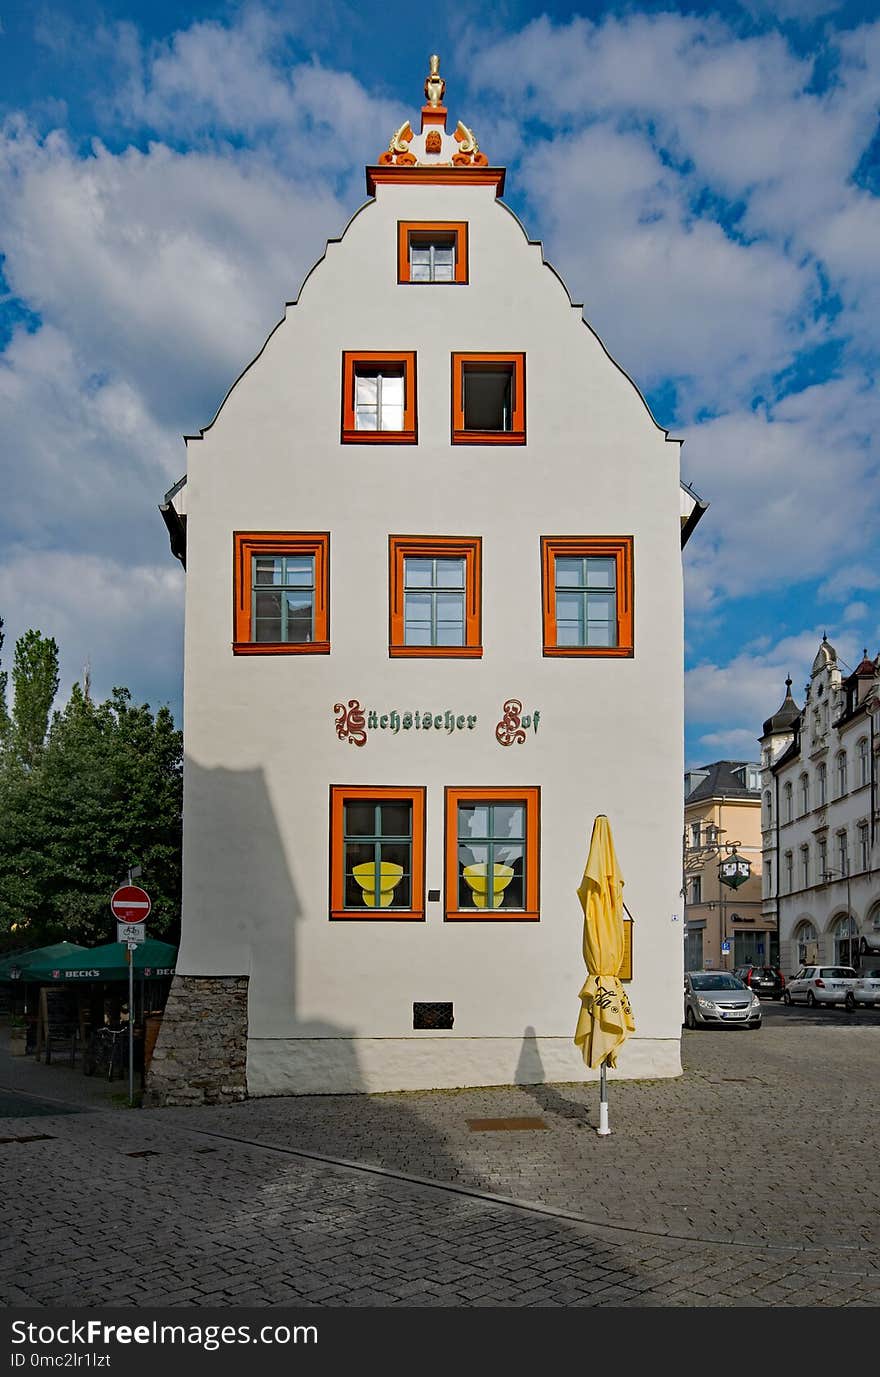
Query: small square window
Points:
[378, 398]
[431, 251]
[492, 854]
[587, 595]
[377, 853]
[435, 596]
[488, 399]
[281, 593]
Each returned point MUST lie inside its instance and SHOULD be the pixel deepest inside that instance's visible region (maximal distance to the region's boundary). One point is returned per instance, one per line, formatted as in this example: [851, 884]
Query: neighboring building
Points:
[722, 809]
[434, 576]
[819, 816]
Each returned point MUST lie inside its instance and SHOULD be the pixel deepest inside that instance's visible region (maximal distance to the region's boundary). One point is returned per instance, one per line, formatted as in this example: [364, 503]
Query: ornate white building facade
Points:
[433, 549]
[819, 816]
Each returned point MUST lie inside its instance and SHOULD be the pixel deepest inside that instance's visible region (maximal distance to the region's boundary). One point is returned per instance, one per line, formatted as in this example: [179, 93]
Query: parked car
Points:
[713, 998]
[867, 989]
[764, 980]
[822, 985]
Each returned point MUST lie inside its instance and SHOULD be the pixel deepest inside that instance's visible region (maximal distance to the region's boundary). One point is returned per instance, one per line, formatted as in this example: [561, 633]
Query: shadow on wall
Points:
[243, 900]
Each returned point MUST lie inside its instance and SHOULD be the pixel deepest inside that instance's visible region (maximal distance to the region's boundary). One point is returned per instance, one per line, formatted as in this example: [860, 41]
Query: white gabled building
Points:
[433, 627]
[819, 816]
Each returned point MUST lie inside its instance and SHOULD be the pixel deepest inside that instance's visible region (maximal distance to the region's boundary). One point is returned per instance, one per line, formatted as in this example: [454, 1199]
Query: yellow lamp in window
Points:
[390, 875]
[477, 877]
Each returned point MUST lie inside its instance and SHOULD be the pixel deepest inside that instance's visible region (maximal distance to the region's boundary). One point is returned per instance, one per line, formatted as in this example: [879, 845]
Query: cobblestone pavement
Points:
[711, 1175]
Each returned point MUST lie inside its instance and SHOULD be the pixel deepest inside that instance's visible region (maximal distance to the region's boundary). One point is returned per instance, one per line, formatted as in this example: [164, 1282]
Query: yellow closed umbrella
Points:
[605, 1020]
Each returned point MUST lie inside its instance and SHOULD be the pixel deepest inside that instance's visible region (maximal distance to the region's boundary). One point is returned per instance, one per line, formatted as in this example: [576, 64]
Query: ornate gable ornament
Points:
[432, 150]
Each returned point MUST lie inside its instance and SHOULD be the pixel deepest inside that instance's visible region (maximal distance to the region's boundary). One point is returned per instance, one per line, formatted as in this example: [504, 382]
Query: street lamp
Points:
[733, 871]
[851, 925]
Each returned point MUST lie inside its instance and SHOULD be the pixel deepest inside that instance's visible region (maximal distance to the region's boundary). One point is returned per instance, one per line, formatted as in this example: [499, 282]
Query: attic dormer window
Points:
[432, 251]
[488, 399]
[378, 397]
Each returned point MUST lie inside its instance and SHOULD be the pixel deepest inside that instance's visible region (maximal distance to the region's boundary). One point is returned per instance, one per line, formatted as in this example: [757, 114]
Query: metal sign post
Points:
[130, 905]
[132, 946]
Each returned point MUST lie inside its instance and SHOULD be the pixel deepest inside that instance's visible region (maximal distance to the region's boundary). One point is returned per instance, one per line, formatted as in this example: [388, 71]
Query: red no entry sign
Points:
[130, 904]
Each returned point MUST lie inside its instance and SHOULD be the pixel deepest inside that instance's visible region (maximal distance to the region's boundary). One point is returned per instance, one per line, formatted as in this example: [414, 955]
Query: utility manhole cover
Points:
[504, 1125]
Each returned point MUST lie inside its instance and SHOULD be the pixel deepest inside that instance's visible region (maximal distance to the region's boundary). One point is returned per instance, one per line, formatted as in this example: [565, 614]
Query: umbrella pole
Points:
[603, 1130]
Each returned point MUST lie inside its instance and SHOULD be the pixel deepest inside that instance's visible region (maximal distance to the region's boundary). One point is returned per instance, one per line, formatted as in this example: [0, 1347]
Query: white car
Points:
[822, 985]
[867, 989]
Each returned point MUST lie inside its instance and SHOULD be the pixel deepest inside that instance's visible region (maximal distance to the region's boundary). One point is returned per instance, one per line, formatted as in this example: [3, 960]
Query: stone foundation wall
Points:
[201, 1052]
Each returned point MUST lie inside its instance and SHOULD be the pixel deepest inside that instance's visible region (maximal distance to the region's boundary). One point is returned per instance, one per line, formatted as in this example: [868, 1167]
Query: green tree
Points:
[35, 684]
[104, 794]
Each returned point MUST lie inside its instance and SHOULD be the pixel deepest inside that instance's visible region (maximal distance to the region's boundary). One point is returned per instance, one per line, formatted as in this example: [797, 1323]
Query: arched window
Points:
[805, 794]
[786, 794]
[862, 754]
[806, 939]
[841, 774]
[822, 785]
[846, 932]
[768, 808]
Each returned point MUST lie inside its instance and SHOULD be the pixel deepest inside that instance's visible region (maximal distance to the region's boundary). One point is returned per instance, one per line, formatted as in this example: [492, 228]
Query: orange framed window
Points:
[488, 399]
[493, 854]
[377, 853]
[435, 596]
[281, 593]
[432, 251]
[587, 595]
[379, 397]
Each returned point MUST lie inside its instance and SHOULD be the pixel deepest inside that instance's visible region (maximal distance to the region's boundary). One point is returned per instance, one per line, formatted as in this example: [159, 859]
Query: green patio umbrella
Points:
[21, 961]
[152, 959]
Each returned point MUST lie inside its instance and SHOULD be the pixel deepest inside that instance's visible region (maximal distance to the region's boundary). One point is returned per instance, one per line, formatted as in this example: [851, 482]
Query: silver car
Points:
[822, 985]
[713, 998]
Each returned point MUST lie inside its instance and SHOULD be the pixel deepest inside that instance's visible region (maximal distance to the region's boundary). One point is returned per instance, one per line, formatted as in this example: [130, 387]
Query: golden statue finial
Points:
[435, 86]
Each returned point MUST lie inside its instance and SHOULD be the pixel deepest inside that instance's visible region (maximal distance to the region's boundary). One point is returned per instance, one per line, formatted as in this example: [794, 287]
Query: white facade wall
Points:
[330, 1003]
[822, 903]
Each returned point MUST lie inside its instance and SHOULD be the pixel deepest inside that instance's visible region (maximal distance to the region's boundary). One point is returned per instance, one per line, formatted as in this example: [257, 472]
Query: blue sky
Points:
[169, 172]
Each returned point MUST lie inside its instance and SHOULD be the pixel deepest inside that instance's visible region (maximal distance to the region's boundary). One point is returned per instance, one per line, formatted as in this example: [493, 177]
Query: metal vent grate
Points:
[432, 1016]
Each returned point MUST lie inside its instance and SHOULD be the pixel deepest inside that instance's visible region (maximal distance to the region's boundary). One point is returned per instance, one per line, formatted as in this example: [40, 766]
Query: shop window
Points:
[432, 251]
[281, 590]
[488, 399]
[492, 854]
[435, 596]
[378, 398]
[377, 853]
[587, 595]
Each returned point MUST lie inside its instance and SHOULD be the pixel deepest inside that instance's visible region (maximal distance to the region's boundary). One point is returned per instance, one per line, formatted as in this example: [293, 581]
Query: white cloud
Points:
[743, 692]
[88, 463]
[738, 744]
[750, 687]
[124, 619]
[167, 269]
[646, 121]
[856, 612]
[851, 578]
[791, 486]
[671, 295]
